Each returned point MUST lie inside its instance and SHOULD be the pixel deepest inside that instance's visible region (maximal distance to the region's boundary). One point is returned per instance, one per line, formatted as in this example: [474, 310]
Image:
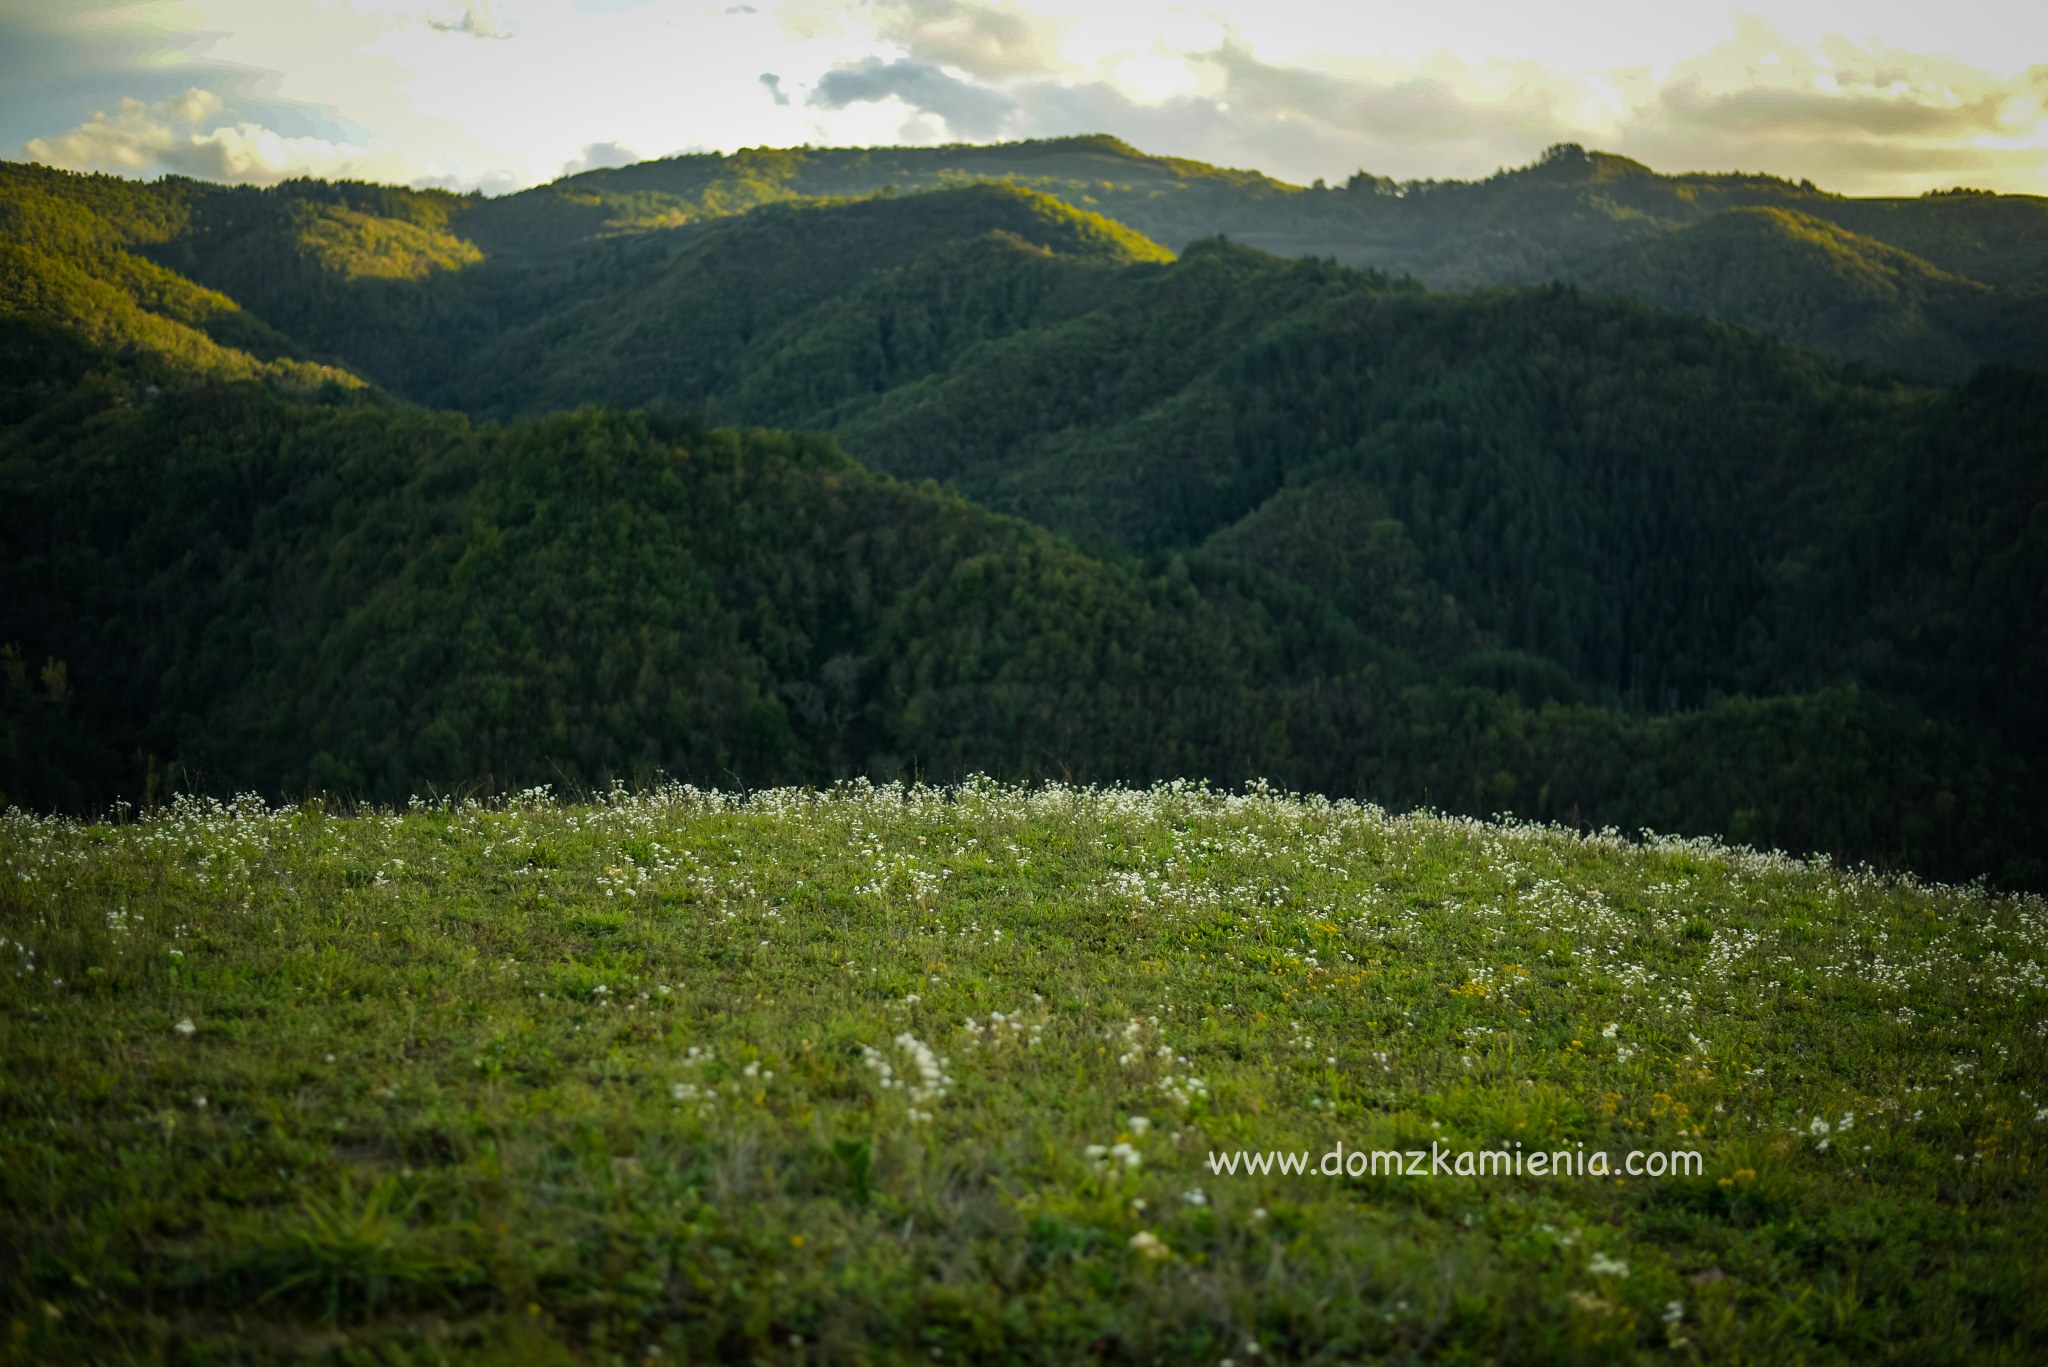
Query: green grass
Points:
[521, 1081]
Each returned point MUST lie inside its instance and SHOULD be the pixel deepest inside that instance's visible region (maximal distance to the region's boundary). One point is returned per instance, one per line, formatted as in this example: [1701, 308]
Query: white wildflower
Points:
[1150, 1244]
[1604, 1266]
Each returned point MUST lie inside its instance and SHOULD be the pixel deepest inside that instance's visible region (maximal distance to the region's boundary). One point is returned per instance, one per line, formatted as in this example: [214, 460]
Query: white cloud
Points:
[597, 155]
[985, 41]
[193, 134]
[1861, 118]
[402, 89]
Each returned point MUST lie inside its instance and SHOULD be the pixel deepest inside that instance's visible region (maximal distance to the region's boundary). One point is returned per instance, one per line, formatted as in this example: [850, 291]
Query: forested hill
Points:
[1532, 550]
[1515, 226]
[1930, 286]
[245, 589]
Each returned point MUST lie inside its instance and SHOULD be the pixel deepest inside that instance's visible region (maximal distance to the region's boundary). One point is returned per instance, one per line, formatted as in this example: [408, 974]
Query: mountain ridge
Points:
[1520, 548]
[1573, 215]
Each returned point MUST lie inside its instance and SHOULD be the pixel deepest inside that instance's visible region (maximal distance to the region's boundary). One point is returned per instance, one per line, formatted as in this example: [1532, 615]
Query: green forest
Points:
[1707, 504]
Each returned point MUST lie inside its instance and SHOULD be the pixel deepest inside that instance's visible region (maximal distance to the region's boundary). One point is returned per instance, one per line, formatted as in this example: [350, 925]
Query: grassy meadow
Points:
[934, 1075]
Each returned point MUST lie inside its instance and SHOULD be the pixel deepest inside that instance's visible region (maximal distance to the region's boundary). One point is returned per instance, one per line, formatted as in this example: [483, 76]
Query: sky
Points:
[1860, 96]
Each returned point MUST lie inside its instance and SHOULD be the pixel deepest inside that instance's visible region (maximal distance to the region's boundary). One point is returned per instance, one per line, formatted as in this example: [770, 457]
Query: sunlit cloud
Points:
[191, 134]
[983, 41]
[499, 93]
[1852, 116]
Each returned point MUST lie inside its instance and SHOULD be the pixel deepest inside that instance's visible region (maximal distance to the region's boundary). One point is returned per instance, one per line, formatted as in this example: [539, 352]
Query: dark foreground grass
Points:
[937, 1076]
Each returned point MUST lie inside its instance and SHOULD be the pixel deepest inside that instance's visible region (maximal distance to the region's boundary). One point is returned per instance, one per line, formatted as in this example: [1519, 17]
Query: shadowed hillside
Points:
[1820, 286]
[1588, 217]
[1526, 549]
[1930, 286]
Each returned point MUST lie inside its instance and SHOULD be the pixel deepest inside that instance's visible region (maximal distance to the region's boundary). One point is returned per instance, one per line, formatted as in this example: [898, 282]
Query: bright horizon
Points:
[1867, 99]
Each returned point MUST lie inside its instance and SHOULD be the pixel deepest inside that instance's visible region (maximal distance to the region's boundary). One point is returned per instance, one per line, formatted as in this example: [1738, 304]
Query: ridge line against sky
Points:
[1873, 98]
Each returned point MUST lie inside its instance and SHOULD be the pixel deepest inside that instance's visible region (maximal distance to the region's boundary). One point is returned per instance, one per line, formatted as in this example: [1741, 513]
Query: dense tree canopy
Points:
[1223, 514]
